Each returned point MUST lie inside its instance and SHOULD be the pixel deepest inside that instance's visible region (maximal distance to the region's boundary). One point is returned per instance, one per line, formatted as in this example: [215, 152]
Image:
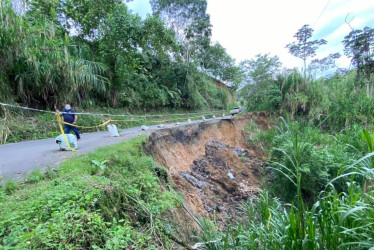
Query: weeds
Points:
[336, 221]
[10, 187]
[35, 176]
[341, 214]
[118, 205]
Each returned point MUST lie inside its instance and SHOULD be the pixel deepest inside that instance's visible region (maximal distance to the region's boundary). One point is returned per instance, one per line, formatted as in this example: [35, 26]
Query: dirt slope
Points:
[211, 163]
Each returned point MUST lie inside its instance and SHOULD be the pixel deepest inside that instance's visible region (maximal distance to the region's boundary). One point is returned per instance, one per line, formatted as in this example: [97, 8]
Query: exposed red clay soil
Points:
[211, 163]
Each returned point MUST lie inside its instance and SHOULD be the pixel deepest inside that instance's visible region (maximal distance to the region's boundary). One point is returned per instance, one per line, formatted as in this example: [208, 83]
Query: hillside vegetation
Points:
[318, 190]
[100, 53]
[114, 198]
[103, 58]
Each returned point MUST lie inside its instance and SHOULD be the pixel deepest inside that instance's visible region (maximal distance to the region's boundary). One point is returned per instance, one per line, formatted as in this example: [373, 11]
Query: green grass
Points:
[319, 179]
[119, 205]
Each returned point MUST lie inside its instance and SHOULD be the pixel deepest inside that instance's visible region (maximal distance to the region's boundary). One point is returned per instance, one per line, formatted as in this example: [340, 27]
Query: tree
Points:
[304, 48]
[120, 35]
[260, 74]
[325, 64]
[217, 63]
[262, 69]
[181, 15]
[98, 52]
[190, 22]
[83, 17]
[359, 45]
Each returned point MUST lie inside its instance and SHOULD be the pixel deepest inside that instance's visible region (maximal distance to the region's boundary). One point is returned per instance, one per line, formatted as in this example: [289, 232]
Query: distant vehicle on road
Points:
[236, 110]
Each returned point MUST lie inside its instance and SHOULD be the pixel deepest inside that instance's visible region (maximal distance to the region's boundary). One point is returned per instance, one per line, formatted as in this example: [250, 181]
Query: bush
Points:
[118, 206]
[335, 221]
[295, 151]
[35, 176]
[10, 187]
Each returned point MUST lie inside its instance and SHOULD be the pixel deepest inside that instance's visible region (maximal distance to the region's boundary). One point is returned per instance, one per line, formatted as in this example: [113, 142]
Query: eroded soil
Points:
[212, 164]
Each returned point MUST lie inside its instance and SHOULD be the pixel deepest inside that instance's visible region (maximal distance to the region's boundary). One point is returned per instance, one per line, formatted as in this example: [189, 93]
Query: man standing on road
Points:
[69, 116]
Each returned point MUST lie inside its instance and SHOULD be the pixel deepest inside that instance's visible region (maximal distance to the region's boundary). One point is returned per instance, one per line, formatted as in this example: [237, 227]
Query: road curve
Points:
[17, 159]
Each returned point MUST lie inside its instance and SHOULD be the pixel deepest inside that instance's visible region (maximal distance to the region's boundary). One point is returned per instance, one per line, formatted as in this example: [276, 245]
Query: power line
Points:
[327, 4]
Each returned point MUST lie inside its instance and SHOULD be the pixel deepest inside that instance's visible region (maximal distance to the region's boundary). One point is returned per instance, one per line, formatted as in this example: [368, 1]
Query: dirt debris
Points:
[211, 163]
[222, 179]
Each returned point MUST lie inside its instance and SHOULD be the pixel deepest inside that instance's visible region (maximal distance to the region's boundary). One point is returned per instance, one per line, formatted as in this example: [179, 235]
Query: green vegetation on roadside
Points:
[318, 185]
[91, 53]
[318, 193]
[114, 198]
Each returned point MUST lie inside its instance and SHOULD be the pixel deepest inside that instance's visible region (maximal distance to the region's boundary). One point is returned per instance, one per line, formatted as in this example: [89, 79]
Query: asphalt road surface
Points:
[17, 159]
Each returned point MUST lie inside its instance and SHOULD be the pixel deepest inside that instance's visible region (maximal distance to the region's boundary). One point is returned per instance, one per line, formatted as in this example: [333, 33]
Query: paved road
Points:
[17, 159]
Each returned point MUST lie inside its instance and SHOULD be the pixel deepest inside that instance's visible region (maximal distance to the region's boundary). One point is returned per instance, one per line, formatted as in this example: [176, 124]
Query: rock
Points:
[231, 176]
[144, 127]
[191, 179]
[217, 207]
[239, 151]
[161, 125]
[244, 173]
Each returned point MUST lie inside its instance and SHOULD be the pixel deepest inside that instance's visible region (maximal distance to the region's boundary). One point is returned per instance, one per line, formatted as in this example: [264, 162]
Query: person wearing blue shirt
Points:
[69, 116]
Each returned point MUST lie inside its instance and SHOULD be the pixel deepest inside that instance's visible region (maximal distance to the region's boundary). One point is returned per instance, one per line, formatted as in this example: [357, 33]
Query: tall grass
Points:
[114, 198]
[335, 220]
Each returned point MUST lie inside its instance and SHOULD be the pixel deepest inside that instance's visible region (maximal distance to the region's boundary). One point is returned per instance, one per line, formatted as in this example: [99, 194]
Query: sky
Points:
[248, 27]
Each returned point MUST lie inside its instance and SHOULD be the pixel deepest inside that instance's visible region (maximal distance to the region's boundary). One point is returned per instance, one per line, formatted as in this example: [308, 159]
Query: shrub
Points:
[119, 206]
[10, 187]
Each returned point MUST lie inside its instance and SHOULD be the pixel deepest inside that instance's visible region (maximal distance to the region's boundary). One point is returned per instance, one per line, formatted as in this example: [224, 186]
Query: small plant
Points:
[10, 187]
[243, 159]
[97, 166]
[35, 176]
[369, 140]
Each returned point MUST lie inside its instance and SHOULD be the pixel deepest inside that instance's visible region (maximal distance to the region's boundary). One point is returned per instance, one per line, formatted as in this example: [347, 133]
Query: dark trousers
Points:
[67, 129]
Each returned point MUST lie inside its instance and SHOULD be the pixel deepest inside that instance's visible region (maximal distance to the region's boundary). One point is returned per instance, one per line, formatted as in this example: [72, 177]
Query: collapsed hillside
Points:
[211, 164]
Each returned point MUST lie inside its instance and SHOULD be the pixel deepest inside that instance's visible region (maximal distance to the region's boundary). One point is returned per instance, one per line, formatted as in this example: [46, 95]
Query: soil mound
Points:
[211, 163]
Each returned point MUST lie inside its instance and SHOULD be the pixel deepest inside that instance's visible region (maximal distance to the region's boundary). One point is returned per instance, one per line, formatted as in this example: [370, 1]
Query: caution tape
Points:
[59, 121]
[99, 114]
[95, 126]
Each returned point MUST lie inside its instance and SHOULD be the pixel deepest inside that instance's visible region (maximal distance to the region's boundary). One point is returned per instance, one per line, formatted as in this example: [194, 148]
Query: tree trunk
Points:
[304, 70]
[368, 88]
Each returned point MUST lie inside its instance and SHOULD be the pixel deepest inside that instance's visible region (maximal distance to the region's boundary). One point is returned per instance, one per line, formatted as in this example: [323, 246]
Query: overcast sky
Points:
[247, 27]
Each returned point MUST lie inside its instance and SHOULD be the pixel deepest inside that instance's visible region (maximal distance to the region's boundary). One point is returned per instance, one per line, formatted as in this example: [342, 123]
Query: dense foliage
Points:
[342, 95]
[114, 198]
[318, 193]
[318, 185]
[100, 53]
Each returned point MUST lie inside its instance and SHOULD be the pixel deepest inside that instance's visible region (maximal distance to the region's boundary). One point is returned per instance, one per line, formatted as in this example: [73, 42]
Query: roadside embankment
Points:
[211, 163]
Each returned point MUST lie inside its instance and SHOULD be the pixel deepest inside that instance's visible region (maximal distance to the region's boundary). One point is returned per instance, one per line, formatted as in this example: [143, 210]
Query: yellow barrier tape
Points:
[59, 121]
[77, 126]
